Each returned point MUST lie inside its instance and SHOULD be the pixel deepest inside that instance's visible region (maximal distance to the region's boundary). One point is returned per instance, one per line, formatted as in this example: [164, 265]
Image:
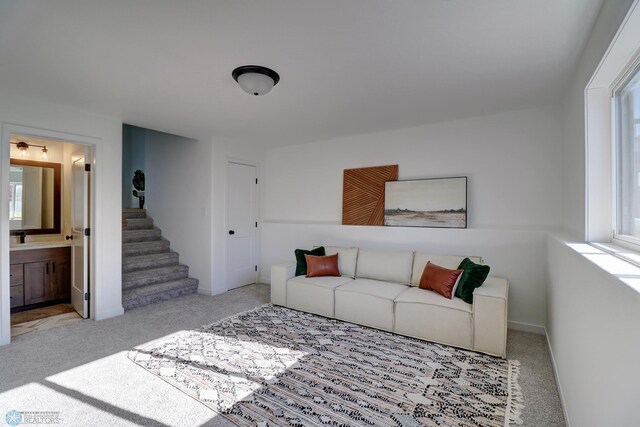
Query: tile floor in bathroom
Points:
[41, 319]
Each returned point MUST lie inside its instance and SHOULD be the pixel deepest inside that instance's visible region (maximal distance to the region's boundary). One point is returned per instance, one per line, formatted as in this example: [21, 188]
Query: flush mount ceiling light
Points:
[255, 80]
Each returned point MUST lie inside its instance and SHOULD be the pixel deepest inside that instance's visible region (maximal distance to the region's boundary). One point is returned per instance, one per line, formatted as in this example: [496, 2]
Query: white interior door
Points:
[242, 266]
[80, 222]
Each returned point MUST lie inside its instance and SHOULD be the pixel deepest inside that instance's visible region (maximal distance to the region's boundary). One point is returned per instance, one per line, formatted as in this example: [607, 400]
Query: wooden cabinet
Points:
[37, 282]
[40, 275]
[61, 277]
[17, 296]
[17, 287]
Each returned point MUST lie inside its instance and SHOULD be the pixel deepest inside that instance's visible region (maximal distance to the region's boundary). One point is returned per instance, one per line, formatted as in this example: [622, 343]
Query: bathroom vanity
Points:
[39, 274]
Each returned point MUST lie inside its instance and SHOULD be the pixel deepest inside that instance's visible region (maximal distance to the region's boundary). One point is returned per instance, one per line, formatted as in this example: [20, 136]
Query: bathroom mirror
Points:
[34, 197]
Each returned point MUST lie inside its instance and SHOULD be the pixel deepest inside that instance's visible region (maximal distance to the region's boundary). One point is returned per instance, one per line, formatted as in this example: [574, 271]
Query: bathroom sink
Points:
[39, 245]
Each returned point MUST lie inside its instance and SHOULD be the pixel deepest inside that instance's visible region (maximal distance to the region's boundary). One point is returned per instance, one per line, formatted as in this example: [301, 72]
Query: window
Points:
[627, 151]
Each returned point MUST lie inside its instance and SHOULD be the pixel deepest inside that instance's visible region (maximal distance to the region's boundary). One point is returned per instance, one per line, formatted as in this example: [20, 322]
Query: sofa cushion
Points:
[447, 261]
[318, 266]
[428, 315]
[314, 294]
[301, 262]
[425, 297]
[367, 302]
[385, 266]
[347, 258]
[439, 279]
[473, 277]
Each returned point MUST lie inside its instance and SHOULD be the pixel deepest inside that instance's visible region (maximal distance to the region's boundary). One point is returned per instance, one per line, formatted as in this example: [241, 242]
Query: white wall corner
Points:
[209, 292]
[526, 327]
[557, 378]
[107, 314]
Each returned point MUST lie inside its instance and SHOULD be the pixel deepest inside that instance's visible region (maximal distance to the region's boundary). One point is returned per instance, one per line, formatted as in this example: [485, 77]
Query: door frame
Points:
[226, 214]
[7, 130]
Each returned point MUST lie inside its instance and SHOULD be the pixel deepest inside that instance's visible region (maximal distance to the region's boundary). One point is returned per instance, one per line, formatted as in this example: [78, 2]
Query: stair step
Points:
[134, 213]
[143, 235]
[152, 276]
[137, 224]
[145, 248]
[142, 262]
[137, 297]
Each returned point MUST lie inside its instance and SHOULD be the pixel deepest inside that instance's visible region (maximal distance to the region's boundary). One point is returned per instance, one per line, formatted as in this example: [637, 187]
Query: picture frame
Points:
[429, 202]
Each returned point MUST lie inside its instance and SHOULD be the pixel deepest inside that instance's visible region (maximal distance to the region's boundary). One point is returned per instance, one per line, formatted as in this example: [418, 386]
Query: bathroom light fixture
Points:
[23, 147]
[255, 79]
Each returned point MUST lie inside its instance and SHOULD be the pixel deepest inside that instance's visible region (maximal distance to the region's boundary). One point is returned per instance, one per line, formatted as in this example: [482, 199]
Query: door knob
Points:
[232, 232]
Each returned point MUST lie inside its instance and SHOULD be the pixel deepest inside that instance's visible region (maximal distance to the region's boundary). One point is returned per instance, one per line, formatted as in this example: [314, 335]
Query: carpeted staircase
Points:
[151, 272]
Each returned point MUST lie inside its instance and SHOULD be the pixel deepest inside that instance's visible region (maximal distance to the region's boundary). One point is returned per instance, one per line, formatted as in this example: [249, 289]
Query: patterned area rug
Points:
[273, 366]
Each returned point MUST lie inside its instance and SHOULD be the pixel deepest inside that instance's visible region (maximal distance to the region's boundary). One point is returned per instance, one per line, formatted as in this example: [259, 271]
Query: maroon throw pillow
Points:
[439, 279]
[322, 265]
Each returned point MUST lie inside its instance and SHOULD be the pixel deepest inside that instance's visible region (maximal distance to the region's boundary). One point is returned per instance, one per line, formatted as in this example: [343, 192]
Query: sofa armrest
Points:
[280, 273]
[490, 303]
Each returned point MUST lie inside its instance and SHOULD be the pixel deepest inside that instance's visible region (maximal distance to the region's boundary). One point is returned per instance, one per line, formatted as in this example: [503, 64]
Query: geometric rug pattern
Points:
[273, 366]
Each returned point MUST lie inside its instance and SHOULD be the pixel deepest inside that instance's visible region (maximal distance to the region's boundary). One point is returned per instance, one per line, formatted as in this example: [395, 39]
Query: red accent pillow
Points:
[322, 265]
[439, 279]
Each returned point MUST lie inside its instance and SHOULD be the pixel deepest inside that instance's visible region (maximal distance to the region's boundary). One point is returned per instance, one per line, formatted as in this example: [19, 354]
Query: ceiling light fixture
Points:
[23, 148]
[255, 79]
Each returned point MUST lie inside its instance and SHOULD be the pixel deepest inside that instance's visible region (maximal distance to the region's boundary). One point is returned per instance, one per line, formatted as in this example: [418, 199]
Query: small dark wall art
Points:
[437, 202]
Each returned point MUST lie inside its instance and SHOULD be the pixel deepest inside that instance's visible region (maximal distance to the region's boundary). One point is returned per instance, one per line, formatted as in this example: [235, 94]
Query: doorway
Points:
[49, 230]
[242, 224]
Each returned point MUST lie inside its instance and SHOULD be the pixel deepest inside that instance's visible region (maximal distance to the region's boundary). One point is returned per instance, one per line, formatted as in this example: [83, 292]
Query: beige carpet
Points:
[82, 370]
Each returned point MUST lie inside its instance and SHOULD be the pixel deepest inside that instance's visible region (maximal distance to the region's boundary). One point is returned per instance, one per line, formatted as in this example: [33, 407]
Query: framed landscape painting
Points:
[437, 202]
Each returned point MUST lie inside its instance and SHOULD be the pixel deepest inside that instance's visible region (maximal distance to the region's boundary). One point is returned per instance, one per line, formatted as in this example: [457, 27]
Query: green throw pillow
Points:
[473, 277]
[301, 262]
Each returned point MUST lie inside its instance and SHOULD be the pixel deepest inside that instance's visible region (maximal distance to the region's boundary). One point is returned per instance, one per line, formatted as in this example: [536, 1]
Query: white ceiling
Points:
[346, 67]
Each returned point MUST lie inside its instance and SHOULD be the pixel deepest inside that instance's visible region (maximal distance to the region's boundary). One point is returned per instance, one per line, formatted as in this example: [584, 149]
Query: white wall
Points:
[178, 197]
[594, 332]
[593, 318]
[107, 134]
[513, 164]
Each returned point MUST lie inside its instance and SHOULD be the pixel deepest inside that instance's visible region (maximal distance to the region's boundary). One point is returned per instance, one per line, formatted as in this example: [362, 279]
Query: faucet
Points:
[21, 236]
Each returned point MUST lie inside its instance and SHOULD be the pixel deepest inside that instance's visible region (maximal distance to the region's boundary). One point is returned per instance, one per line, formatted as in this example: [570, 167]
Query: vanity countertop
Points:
[40, 245]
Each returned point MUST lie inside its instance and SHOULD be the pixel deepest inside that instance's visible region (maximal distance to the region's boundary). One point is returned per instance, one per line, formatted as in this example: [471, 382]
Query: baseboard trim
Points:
[526, 327]
[555, 374]
[102, 315]
[207, 292]
[4, 340]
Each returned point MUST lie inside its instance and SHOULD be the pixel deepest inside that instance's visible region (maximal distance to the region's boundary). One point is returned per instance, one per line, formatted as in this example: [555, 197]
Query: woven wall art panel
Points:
[363, 194]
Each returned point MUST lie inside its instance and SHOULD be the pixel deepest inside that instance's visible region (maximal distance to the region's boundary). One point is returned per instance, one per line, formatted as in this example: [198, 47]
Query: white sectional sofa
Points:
[380, 289]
